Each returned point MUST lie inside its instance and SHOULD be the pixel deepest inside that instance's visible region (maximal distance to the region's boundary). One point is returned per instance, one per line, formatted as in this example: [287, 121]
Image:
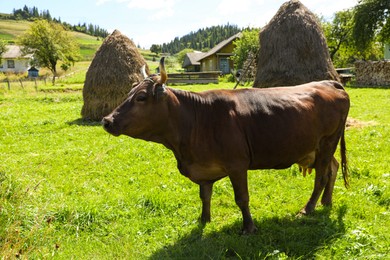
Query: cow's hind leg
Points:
[206, 190]
[324, 164]
[321, 180]
[241, 195]
[327, 196]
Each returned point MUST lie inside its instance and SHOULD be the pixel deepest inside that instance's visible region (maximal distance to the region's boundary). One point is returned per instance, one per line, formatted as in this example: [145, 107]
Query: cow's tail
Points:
[344, 165]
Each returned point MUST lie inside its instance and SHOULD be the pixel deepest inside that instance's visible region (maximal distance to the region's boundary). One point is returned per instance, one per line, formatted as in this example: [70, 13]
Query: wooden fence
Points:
[23, 83]
[193, 77]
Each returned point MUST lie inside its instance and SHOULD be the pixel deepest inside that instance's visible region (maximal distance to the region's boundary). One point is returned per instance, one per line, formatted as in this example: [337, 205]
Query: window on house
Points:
[11, 64]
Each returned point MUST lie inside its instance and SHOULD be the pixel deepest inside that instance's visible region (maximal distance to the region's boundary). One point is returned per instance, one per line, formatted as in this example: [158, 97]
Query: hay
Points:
[114, 69]
[293, 49]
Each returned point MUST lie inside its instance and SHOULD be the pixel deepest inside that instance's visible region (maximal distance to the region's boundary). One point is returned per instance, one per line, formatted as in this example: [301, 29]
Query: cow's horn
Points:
[163, 73]
[143, 71]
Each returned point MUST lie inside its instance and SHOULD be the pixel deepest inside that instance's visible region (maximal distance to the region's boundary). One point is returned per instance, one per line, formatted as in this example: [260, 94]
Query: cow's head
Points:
[144, 111]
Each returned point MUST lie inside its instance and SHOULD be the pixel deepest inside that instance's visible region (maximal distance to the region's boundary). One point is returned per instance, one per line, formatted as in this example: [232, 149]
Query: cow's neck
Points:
[185, 109]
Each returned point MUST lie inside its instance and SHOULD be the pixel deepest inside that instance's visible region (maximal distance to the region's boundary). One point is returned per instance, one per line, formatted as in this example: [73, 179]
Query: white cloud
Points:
[101, 2]
[151, 4]
[162, 8]
[156, 37]
[158, 9]
[328, 8]
[228, 7]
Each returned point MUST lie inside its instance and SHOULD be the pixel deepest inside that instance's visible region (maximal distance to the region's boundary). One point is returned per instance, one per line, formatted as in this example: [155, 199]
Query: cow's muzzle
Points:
[108, 125]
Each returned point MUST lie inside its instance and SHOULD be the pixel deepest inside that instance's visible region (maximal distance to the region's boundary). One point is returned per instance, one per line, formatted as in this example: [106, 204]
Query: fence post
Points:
[21, 83]
[9, 84]
[36, 86]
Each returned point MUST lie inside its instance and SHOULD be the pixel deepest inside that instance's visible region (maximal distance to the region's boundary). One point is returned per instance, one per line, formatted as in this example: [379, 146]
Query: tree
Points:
[372, 18]
[50, 44]
[248, 43]
[3, 48]
[182, 54]
[342, 46]
[339, 31]
[155, 48]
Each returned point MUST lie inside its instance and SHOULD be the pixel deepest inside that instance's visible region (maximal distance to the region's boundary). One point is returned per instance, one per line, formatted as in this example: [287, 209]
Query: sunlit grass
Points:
[70, 190]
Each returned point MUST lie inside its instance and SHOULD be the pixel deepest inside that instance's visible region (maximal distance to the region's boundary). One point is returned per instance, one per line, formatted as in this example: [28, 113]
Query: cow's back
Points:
[283, 124]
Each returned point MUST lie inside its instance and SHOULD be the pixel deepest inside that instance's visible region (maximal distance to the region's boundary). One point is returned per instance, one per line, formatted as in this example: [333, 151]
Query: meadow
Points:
[69, 190]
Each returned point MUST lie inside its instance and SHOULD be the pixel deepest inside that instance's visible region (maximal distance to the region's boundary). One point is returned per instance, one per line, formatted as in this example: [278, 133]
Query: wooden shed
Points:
[33, 72]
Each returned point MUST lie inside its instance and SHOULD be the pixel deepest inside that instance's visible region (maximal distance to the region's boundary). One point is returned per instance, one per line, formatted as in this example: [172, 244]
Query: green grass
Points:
[70, 190]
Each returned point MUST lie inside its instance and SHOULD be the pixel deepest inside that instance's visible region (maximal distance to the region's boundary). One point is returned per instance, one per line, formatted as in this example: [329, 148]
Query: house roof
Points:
[14, 52]
[33, 69]
[220, 45]
[192, 59]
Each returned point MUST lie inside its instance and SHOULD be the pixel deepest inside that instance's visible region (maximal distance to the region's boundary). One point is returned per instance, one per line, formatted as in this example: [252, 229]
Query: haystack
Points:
[293, 49]
[114, 69]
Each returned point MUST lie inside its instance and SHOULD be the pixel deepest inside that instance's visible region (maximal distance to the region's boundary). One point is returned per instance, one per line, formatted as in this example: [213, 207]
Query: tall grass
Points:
[70, 190]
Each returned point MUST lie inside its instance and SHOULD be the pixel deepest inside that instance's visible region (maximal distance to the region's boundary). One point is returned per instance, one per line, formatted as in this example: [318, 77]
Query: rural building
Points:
[216, 59]
[14, 61]
[33, 72]
[191, 61]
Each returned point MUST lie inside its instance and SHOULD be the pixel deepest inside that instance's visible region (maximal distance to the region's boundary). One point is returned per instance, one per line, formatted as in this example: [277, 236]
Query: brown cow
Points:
[219, 133]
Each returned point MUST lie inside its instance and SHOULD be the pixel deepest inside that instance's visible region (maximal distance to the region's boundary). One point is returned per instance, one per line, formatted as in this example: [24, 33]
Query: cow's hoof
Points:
[305, 211]
[326, 202]
[249, 230]
[300, 214]
[204, 220]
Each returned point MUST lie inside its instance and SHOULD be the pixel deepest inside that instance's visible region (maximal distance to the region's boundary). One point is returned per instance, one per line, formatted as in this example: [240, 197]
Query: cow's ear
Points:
[160, 91]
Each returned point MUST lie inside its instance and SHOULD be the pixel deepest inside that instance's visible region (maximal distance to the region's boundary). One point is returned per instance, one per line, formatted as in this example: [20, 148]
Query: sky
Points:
[149, 22]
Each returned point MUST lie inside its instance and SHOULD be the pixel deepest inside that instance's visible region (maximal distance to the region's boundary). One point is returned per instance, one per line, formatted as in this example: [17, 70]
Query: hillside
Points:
[11, 29]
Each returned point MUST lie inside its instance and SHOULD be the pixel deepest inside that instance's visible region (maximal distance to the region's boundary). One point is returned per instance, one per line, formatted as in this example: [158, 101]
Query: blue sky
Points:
[158, 21]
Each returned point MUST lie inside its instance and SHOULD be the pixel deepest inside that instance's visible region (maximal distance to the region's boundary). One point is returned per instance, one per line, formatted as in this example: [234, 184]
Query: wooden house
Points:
[14, 61]
[191, 61]
[216, 59]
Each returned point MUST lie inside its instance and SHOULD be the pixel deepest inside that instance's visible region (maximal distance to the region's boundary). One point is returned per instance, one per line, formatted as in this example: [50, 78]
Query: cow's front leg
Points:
[206, 190]
[241, 195]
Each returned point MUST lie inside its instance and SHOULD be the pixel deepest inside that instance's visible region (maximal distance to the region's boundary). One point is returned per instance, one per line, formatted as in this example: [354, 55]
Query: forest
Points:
[32, 13]
[202, 40]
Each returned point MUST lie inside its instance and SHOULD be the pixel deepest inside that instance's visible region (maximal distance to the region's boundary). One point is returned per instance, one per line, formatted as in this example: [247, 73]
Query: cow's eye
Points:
[141, 98]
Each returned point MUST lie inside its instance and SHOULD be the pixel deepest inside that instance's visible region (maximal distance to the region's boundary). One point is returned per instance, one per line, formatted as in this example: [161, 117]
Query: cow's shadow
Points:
[277, 237]
[84, 122]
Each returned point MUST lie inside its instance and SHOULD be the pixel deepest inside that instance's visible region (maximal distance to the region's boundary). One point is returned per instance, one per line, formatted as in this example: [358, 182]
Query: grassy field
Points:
[69, 190]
